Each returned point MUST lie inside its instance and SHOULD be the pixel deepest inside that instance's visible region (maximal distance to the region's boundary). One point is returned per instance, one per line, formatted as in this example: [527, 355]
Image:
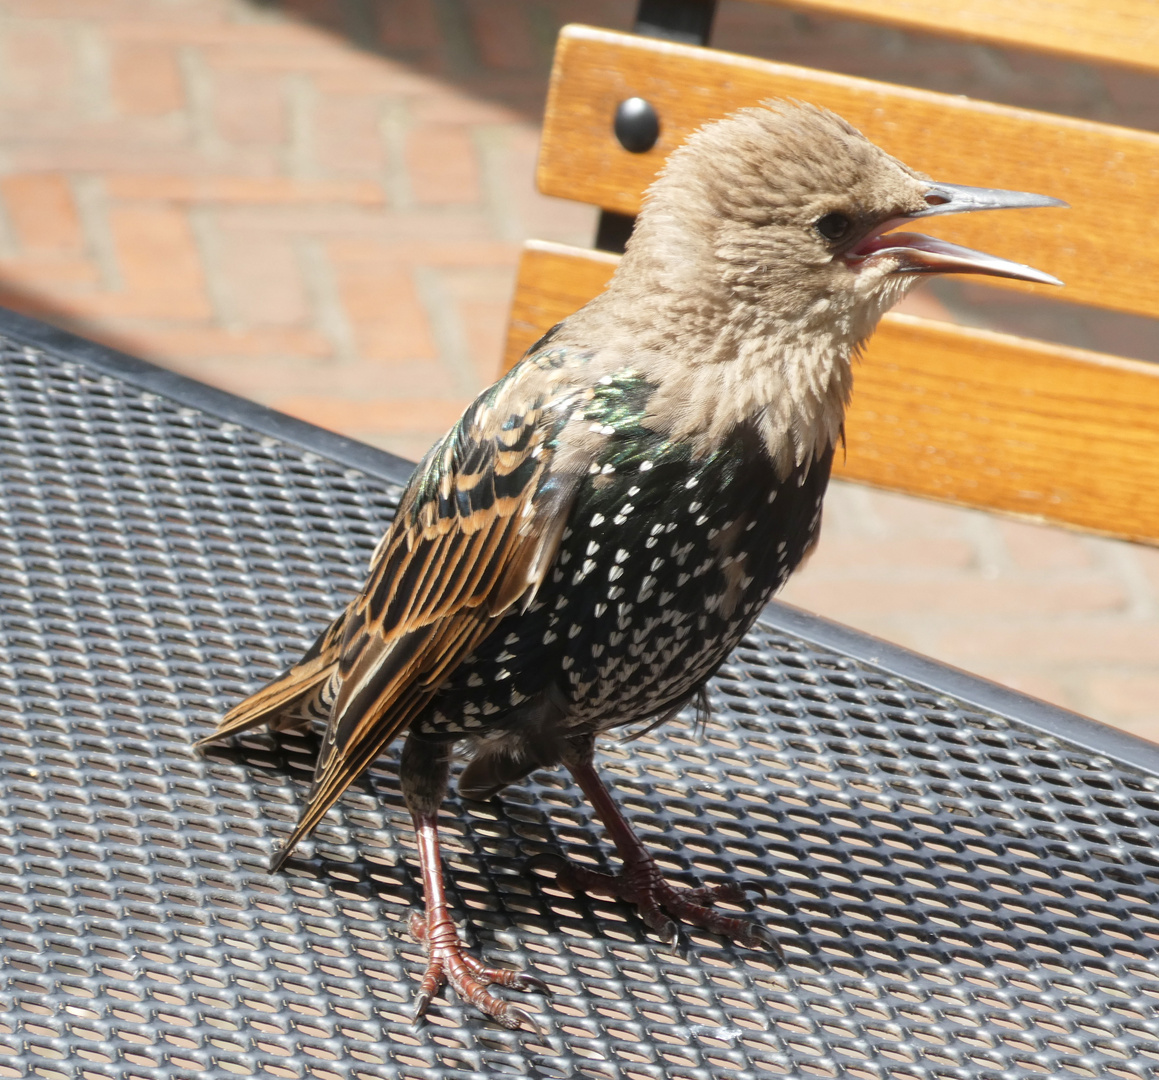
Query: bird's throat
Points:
[793, 388]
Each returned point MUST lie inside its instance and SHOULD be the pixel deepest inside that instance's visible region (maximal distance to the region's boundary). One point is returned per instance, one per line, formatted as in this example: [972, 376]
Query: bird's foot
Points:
[448, 961]
[662, 905]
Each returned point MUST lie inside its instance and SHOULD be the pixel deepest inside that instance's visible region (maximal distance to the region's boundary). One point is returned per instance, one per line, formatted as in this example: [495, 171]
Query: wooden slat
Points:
[1110, 31]
[1102, 247]
[958, 414]
[554, 281]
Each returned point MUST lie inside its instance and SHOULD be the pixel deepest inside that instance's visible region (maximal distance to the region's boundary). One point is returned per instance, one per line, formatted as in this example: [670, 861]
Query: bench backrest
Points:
[1102, 31]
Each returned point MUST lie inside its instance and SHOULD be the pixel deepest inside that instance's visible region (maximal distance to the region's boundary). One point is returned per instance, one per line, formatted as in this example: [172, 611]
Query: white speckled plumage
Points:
[600, 528]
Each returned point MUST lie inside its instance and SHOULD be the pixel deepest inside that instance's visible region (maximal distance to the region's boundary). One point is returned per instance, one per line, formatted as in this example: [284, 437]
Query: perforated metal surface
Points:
[958, 895]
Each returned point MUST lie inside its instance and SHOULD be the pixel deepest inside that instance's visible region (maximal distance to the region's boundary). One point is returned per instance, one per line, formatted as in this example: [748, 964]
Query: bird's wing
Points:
[475, 533]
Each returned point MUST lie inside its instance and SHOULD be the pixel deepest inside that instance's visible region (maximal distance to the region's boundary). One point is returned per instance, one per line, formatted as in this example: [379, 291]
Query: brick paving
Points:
[319, 204]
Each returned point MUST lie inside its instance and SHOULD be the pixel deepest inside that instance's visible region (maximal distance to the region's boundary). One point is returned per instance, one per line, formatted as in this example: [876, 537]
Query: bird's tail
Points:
[291, 700]
[301, 693]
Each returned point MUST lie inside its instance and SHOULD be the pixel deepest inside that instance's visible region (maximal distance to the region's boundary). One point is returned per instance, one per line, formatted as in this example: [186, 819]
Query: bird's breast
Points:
[665, 563]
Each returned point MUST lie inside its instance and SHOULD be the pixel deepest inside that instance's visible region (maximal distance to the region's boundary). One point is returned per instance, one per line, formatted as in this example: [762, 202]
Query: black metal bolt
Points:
[636, 125]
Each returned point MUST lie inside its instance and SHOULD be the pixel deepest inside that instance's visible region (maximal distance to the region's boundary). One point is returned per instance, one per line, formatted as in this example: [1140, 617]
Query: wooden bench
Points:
[950, 412]
[1113, 31]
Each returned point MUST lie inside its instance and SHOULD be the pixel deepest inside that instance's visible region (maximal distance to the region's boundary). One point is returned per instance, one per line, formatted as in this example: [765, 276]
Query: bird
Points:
[601, 527]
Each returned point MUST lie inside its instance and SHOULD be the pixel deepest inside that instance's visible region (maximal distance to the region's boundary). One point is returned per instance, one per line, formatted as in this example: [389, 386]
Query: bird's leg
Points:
[424, 768]
[641, 882]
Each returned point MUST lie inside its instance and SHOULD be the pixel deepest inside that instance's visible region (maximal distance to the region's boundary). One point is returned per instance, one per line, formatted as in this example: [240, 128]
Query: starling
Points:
[603, 525]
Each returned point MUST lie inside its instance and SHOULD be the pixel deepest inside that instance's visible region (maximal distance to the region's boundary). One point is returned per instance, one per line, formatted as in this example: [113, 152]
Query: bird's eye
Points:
[835, 226]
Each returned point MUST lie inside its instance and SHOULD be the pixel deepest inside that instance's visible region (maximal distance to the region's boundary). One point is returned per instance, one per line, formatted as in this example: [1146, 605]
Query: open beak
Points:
[916, 253]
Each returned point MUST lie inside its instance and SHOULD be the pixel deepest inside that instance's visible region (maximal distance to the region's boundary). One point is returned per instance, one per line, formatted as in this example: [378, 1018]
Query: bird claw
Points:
[756, 887]
[759, 935]
[644, 886]
[526, 1019]
[422, 1000]
[449, 962]
[529, 984]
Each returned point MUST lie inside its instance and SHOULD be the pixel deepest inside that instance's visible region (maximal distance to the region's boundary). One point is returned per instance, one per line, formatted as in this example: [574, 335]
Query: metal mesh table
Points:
[965, 881]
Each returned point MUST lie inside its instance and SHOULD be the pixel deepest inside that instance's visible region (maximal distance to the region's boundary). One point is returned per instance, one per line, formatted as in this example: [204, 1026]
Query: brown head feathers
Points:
[759, 266]
[730, 295]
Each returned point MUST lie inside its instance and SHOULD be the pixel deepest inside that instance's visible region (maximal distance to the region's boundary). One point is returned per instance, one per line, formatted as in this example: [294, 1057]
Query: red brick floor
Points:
[319, 204]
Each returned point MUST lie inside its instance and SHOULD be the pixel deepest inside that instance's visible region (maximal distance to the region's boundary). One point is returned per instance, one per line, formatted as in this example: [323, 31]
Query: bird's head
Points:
[791, 212]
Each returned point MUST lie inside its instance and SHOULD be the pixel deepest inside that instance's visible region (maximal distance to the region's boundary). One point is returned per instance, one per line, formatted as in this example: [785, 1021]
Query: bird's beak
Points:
[916, 253]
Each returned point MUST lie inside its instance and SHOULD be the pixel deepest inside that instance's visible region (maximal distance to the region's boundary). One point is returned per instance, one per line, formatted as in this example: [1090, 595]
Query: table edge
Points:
[189, 391]
[1084, 731]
